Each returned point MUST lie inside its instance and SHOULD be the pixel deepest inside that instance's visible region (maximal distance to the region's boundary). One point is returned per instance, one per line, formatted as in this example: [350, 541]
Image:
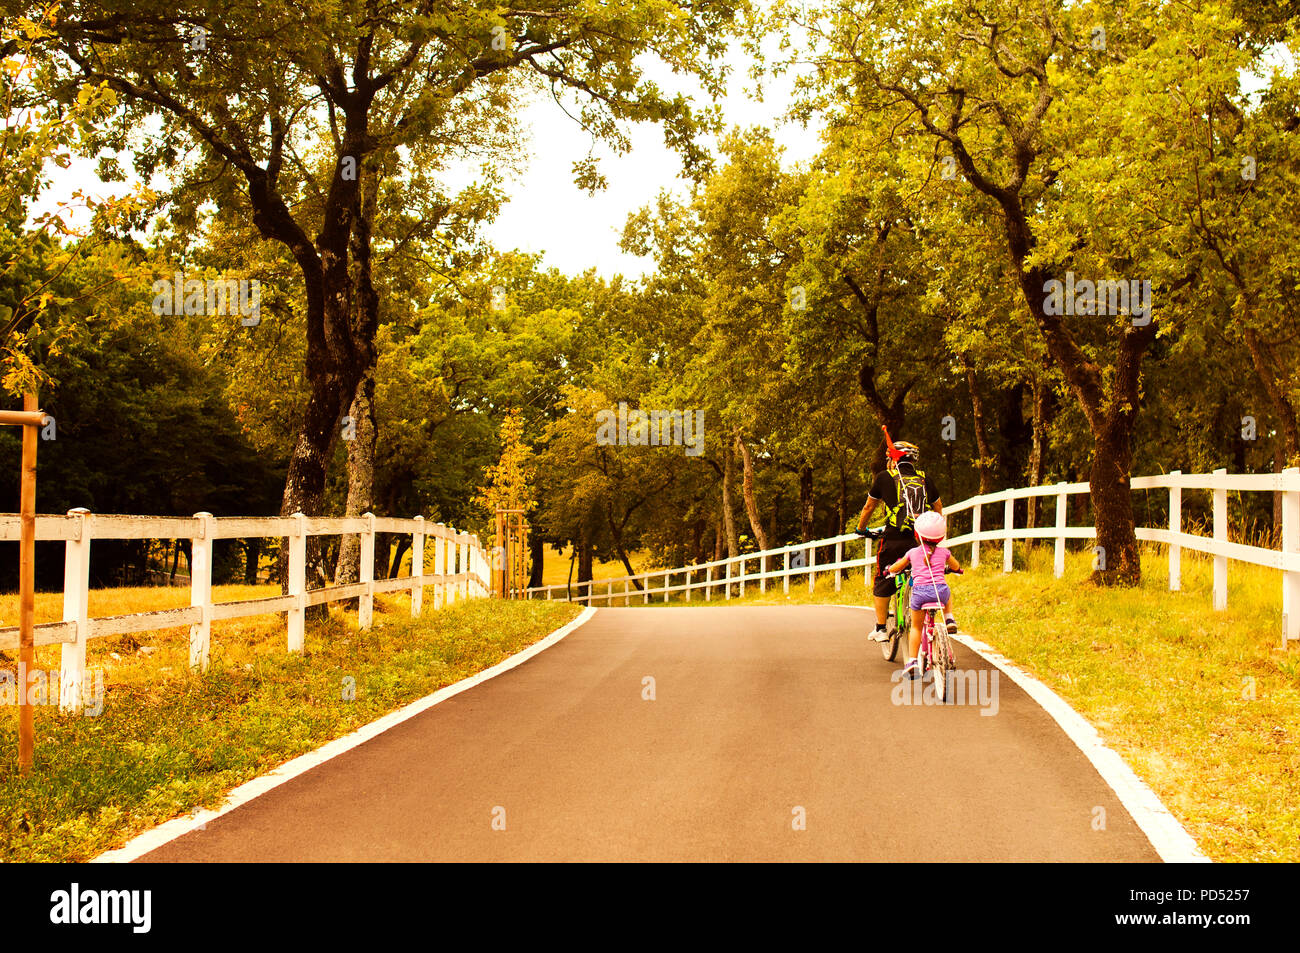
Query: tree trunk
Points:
[537, 557]
[395, 567]
[773, 526]
[1111, 411]
[805, 504]
[1118, 560]
[585, 555]
[1038, 394]
[842, 504]
[252, 553]
[728, 513]
[984, 461]
[1268, 371]
[751, 503]
[616, 532]
[360, 423]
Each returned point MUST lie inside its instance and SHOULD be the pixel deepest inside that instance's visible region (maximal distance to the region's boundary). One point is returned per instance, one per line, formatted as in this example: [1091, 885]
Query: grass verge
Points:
[168, 741]
[1203, 705]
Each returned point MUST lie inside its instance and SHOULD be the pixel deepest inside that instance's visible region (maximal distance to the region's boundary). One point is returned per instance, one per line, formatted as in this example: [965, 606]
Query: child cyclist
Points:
[927, 560]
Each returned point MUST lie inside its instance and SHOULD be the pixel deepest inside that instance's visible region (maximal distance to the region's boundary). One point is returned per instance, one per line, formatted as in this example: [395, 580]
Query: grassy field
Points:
[555, 568]
[1203, 705]
[168, 741]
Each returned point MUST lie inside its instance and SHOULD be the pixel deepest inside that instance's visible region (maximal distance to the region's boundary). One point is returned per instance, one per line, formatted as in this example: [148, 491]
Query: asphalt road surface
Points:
[774, 734]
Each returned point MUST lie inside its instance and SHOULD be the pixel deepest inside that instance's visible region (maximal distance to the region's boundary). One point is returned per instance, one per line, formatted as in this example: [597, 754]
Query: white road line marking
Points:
[150, 840]
[1169, 838]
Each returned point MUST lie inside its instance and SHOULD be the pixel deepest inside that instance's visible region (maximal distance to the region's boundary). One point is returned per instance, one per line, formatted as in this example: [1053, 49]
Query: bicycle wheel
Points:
[889, 647]
[941, 650]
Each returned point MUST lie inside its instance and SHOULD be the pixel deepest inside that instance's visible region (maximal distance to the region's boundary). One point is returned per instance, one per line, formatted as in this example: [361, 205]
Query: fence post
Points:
[76, 609]
[298, 583]
[439, 565]
[466, 567]
[453, 557]
[812, 565]
[839, 558]
[1291, 546]
[762, 574]
[1008, 523]
[627, 589]
[1175, 527]
[744, 571]
[690, 576]
[708, 583]
[483, 581]
[417, 567]
[366, 601]
[975, 531]
[728, 578]
[453, 554]
[1221, 535]
[201, 591]
[1062, 505]
[785, 573]
[666, 575]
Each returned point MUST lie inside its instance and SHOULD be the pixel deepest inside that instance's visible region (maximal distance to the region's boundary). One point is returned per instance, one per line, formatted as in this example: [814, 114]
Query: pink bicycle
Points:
[936, 655]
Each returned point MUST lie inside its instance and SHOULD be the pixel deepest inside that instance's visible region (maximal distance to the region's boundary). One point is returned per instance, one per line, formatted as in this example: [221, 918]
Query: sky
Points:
[575, 231]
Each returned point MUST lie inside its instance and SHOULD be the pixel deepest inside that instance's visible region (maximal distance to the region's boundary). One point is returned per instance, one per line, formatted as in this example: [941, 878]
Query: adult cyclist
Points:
[906, 492]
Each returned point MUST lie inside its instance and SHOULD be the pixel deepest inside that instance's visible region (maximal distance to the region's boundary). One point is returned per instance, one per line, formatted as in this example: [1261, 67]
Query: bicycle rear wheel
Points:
[942, 660]
[889, 647]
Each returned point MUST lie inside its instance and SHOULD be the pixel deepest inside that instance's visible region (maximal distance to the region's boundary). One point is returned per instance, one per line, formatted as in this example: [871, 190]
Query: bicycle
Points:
[936, 655]
[896, 619]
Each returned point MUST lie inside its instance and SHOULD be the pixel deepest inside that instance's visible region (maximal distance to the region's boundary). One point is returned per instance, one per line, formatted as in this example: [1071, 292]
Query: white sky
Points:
[575, 231]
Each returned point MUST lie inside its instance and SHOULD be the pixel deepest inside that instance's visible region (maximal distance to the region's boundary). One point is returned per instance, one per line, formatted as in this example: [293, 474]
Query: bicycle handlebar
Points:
[946, 572]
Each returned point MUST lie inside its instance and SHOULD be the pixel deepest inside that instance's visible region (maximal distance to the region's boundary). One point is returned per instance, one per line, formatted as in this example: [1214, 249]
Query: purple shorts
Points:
[927, 593]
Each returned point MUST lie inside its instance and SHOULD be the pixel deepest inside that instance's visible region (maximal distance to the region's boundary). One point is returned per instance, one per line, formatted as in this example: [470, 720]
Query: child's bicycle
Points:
[936, 654]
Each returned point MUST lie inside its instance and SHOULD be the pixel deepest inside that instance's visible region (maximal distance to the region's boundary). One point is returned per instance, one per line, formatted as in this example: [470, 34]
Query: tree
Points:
[260, 87]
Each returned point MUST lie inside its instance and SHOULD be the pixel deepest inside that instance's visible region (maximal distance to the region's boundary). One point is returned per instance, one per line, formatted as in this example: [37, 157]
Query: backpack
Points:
[912, 501]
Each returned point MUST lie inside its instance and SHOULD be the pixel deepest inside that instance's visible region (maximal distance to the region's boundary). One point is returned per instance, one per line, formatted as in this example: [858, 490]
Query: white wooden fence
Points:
[460, 571]
[800, 559]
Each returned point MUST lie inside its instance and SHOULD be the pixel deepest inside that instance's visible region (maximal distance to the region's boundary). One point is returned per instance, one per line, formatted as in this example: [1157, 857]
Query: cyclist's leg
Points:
[944, 590]
[881, 588]
[914, 635]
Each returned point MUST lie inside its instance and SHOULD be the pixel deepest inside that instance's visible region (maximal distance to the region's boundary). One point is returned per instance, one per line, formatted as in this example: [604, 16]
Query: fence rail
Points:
[733, 572]
[460, 571]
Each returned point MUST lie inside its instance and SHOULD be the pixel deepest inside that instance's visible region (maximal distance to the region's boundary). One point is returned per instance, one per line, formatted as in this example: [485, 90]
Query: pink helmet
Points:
[931, 527]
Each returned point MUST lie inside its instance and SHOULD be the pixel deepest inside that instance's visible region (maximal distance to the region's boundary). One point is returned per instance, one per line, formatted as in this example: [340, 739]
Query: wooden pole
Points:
[502, 558]
[27, 590]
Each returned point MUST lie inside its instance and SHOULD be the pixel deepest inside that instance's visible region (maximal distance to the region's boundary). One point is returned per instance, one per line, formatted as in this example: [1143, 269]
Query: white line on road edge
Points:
[1170, 840]
[150, 840]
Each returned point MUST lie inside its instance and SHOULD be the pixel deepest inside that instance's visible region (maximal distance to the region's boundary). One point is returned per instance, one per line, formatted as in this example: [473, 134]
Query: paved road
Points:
[759, 713]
